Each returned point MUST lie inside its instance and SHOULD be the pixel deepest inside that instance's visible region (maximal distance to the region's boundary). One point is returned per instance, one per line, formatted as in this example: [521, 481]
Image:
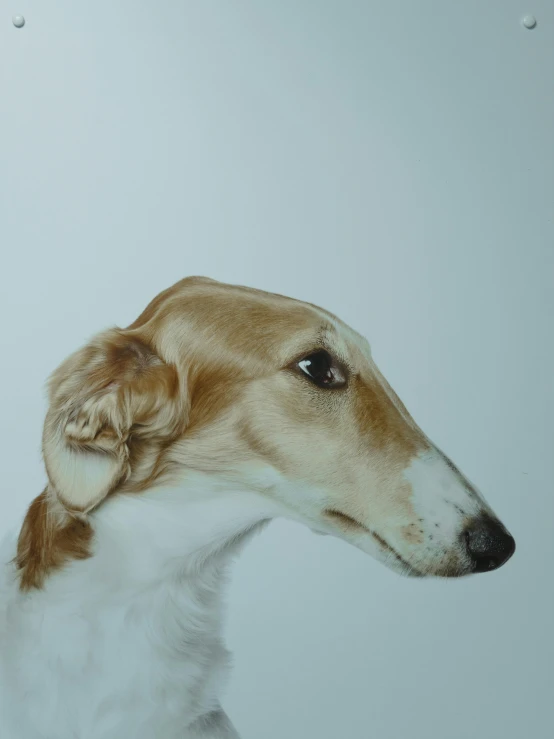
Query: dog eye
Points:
[322, 370]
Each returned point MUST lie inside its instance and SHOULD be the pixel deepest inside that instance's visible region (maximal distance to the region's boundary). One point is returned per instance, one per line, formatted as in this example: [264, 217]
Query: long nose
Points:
[488, 544]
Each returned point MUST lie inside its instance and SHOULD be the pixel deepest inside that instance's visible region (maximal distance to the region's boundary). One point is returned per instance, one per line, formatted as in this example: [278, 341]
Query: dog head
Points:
[278, 396]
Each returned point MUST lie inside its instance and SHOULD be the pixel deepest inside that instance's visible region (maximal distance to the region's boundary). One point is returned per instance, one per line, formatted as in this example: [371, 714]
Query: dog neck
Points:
[174, 532]
[141, 616]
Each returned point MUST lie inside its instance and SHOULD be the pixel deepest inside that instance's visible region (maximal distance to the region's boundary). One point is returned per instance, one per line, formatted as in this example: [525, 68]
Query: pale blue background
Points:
[391, 161]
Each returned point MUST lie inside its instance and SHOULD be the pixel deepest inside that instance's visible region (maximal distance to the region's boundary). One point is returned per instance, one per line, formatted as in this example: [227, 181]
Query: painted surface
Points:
[393, 162]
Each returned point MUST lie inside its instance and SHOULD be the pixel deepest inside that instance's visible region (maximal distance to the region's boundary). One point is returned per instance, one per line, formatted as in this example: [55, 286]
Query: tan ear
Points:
[110, 393]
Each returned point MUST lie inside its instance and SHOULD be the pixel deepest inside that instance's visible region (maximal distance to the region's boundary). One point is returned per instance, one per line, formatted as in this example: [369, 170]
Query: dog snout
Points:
[488, 544]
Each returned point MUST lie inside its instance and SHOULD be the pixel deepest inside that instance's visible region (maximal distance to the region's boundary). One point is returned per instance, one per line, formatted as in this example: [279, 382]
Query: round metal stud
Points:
[529, 21]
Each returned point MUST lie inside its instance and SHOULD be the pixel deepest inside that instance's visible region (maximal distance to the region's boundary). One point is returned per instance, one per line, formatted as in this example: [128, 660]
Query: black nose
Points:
[489, 544]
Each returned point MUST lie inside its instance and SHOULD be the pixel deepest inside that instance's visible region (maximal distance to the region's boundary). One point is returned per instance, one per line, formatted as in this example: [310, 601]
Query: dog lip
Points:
[353, 523]
[392, 550]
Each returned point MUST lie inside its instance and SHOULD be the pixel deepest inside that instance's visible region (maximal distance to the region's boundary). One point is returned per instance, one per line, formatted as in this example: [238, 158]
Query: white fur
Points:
[127, 643]
[84, 479]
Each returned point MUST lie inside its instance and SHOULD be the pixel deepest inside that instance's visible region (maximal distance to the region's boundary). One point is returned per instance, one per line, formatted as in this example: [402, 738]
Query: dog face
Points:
[280, 397]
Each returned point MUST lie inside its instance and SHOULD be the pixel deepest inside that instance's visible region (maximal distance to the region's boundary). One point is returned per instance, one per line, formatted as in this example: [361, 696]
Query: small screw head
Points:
[18, 21]
[529, 21]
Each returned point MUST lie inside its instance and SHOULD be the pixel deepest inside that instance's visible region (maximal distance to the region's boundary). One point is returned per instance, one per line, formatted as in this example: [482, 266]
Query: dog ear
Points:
[107, 395]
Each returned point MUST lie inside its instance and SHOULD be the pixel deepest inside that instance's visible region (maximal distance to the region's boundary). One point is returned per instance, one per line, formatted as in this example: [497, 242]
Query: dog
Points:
[167, 445]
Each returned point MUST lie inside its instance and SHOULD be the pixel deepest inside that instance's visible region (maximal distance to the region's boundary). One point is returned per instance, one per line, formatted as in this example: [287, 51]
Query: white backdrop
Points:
[393, 162]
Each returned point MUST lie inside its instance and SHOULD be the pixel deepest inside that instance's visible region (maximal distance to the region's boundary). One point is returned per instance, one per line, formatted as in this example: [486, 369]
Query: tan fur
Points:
[205, 378]
[48, 541]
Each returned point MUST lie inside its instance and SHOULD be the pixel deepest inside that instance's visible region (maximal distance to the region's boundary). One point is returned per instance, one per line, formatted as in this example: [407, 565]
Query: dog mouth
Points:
[351, 525]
